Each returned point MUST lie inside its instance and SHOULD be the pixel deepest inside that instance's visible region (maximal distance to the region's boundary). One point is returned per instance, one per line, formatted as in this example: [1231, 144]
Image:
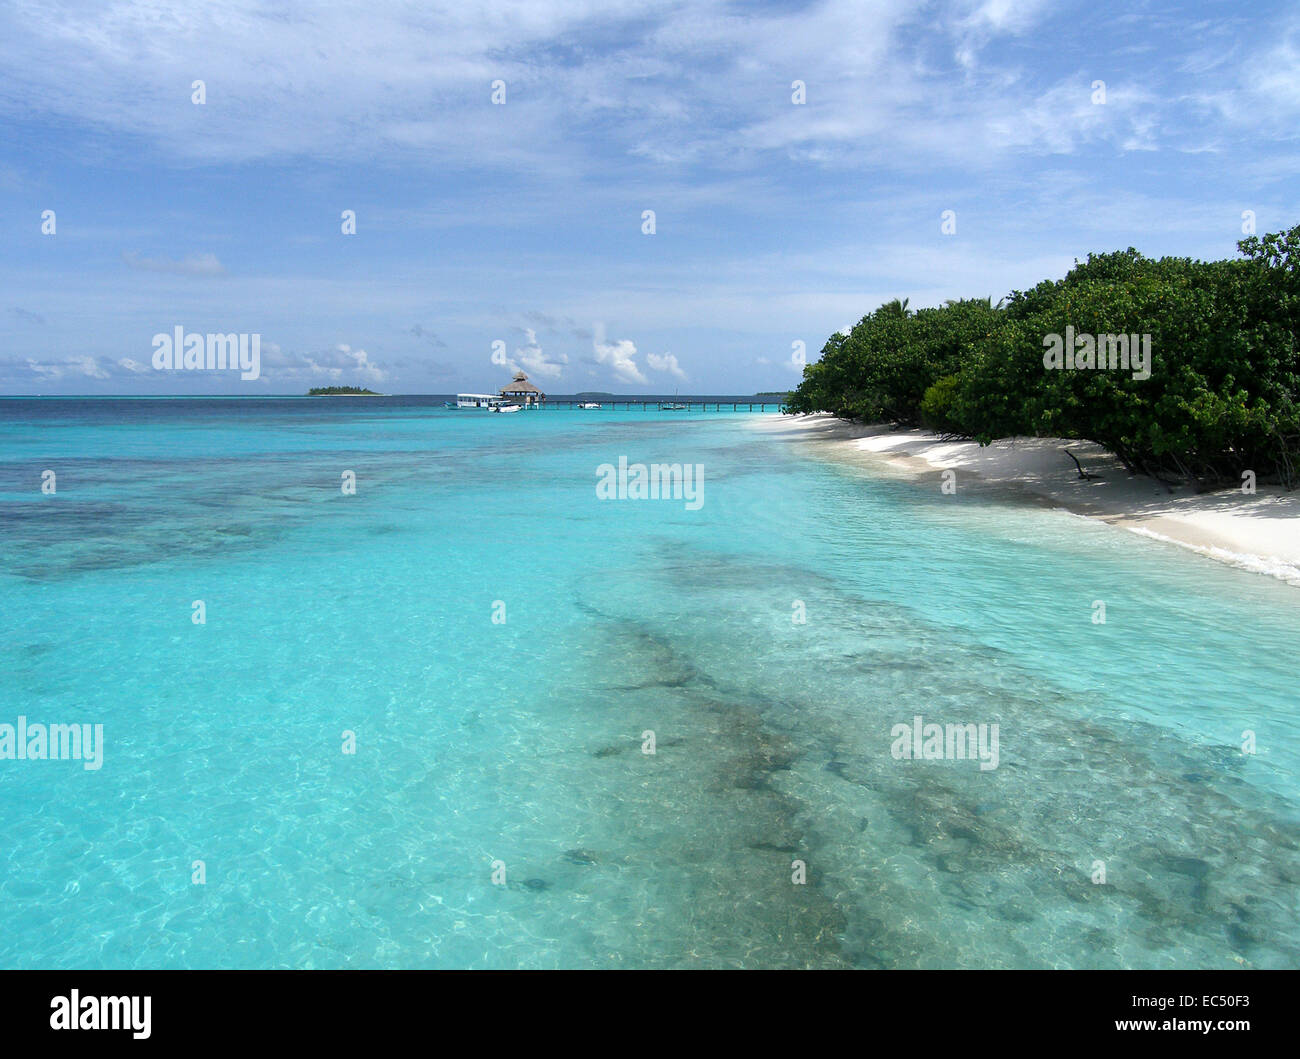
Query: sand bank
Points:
[1259, 532]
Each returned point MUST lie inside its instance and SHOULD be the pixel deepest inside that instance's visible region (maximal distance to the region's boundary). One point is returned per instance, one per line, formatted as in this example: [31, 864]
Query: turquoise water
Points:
[520, 743]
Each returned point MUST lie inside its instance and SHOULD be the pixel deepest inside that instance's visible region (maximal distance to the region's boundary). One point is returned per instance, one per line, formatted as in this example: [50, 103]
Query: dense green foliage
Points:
[341, 391]
[1224, 370]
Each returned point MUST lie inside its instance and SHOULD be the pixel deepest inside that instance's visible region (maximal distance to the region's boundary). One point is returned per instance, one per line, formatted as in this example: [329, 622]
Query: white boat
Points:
[590, 404]
[478, 400]
[506, 408]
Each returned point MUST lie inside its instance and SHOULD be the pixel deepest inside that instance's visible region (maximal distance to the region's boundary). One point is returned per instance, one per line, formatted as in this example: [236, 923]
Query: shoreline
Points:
[1259, 533]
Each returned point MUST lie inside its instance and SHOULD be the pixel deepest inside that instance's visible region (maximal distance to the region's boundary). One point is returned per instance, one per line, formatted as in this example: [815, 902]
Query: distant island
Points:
[341, 391]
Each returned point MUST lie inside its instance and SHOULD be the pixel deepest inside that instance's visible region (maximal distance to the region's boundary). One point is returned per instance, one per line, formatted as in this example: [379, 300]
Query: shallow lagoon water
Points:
[522, 742]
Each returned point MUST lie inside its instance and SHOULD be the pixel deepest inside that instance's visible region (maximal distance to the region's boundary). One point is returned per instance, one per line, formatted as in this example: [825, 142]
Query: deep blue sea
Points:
[499, 809]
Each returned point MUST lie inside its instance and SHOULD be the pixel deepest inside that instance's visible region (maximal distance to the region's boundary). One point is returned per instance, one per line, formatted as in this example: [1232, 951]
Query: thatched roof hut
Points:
[520, 390]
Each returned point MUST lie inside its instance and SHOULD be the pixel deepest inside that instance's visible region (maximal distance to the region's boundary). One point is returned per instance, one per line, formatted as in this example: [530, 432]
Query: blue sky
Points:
[776, 222]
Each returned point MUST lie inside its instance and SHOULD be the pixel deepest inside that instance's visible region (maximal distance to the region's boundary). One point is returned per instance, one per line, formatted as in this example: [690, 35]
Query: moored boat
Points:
[477, 400]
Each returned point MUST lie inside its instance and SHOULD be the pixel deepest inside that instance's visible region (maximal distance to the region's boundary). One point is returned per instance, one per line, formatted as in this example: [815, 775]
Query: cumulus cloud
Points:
[356, 363]
[341, 364]
[618, 356]
[667, 363]
[535, 363]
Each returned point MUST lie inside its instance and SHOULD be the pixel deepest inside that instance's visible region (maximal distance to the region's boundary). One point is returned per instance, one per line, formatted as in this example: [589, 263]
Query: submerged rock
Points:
[773, 847]
[580, 856]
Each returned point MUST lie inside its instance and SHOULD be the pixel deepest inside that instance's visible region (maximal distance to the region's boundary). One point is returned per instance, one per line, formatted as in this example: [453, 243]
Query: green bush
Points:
[1222, 396]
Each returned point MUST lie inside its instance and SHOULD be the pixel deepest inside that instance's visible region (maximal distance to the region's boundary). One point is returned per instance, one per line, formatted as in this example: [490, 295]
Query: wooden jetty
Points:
[692, 405]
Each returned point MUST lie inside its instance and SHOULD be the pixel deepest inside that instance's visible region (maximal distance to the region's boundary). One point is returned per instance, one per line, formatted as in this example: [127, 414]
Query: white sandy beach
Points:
[1258, 532]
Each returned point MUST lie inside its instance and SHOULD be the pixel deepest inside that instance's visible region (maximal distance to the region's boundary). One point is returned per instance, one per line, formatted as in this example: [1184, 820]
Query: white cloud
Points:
[362, 365]
[1064, 118]
[193, 265]
[354, 79]
[72, 367]
[1000, 15]
[588, 81]
[619, 356]
[531, 360]
[794, 216]
[667, 363]
[342, 363]
[1273, 81]
[976, 21]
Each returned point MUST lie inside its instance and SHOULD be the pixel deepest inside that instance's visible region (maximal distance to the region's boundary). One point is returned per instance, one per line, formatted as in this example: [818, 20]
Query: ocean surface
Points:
[499, 809]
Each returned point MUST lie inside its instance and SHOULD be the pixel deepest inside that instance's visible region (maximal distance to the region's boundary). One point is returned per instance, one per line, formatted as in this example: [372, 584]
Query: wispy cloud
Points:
[432, 339]
[779, 219]
[70, 368]
[192, 265]
[351, 80]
